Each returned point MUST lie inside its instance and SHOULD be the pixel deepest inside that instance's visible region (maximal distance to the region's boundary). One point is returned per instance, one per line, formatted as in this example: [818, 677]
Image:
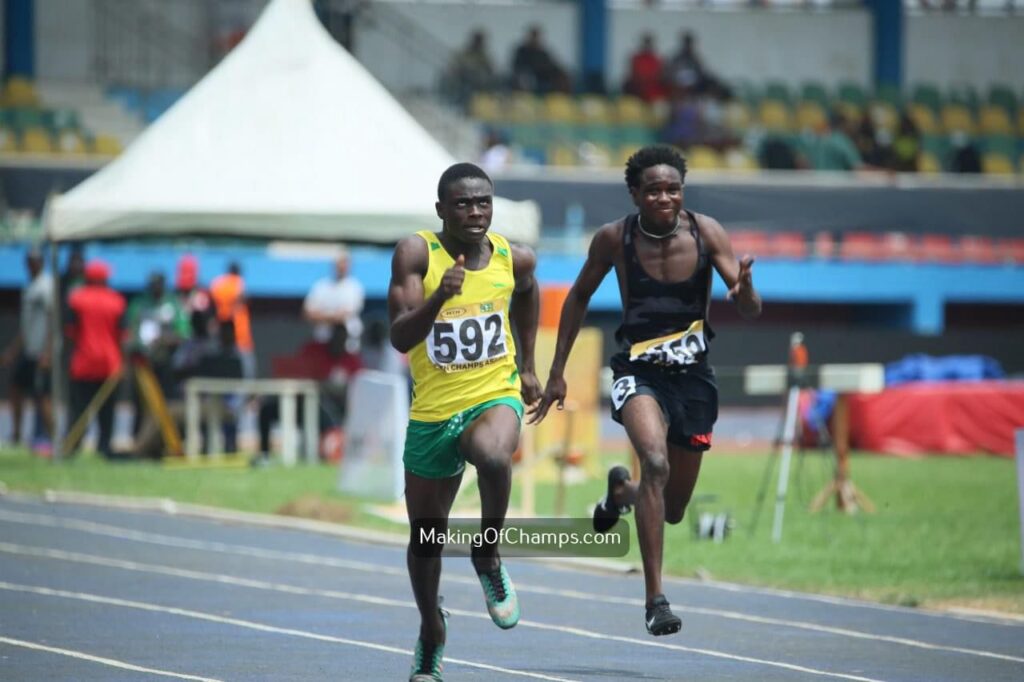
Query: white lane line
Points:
[100, 659]
[382, 601]
[214, 514]
[526, 588]
[252, 625]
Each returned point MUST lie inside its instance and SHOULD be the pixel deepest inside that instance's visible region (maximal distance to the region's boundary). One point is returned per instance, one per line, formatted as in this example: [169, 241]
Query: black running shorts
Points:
[688, 398]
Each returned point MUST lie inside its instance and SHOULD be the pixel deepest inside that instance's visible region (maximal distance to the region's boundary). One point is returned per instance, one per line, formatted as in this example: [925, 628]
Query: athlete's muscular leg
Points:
[646, 428]
[684, 467]
[489, 443]
[428, 499]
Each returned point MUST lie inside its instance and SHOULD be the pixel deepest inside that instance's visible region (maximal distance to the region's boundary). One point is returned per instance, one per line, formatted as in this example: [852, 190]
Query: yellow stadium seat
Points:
[994, 120]
[704, 158]
[562, 155]
[623, 154]
[595, 110]
[632, 110]
[19, 92]
[774, 115]
[559, 108]
[957, 118]
[1020, 121]
[484, 106]
[928, 163]
[924, 118]
[851, 112]
[737, 115]
[523, 107]
[810, 115]
[107, 145]
[997, 164]
[739, 160]
[594, 155]
[36, 141]
[70, 142]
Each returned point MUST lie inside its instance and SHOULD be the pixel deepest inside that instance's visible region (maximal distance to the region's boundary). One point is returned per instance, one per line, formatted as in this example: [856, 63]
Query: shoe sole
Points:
[670, 629]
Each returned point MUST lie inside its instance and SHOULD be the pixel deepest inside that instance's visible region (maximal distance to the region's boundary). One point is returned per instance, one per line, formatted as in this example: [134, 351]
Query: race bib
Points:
[468, 336]
[674, 350]
[622, 389]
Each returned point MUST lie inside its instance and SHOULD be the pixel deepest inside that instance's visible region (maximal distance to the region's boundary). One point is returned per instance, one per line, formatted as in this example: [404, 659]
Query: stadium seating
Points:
[551, 127]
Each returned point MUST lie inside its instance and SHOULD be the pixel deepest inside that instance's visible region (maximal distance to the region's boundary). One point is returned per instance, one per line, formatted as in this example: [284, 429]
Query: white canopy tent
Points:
[289, 137]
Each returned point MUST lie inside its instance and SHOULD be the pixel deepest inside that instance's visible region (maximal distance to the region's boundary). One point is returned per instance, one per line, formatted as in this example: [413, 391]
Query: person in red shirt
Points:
[645, 79]
[95, 329]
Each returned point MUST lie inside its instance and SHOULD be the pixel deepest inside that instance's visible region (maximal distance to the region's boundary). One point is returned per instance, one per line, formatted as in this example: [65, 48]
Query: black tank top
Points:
[653, 308]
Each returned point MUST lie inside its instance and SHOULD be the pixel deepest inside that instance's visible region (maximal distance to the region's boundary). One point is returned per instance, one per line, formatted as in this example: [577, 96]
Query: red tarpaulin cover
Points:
[963, 417]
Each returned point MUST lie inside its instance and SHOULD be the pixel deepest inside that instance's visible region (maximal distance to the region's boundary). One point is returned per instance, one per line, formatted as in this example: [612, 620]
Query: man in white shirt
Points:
[29, 351]
[335, 301]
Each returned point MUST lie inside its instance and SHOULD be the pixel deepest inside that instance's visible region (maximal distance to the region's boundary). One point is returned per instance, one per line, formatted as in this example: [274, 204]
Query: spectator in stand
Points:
[95, 317]
[965, 157]
[686, 73]
[907, 145]
[333, 366]
[470, 70]
[496, 155]
[230, 305]
[646, 79]
[336, 302]
[832, 149]
[29, 352]
[534, 69]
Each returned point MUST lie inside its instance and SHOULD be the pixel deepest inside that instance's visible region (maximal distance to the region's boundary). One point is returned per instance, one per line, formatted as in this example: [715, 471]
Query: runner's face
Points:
[659, 196]
[466, 209]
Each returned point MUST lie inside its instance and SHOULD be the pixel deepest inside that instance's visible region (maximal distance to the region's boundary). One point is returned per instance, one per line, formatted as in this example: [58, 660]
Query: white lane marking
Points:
[100, 659]
[252, 625]
[1005, 620]
[121, 533]
[382, 601]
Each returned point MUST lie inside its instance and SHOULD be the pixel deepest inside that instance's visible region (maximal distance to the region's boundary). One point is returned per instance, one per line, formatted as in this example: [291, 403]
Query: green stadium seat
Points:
[746, 92]
[778, 91]
[637, 136]
[852, 93]
[938, 147]
[928, 95]
[1003, 96]
[1000, 144]
[812, 91]
[965, 95]
[23, 118]
[65, 119]
[890, 95]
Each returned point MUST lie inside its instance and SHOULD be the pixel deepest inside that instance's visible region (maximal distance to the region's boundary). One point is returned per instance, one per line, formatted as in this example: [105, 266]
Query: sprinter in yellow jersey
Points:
[452, 299]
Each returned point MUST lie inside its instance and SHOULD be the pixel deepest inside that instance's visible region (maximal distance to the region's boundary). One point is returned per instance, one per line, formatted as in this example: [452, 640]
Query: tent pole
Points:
[56, 339]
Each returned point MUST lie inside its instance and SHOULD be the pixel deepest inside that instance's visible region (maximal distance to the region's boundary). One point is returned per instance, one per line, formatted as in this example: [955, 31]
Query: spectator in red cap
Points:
[95, 328]
[194, 299]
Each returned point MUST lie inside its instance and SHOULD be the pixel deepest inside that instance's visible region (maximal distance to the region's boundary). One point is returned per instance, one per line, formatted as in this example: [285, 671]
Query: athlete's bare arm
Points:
[595, 267]
[737, 275]
[525, 314]
[411, 314]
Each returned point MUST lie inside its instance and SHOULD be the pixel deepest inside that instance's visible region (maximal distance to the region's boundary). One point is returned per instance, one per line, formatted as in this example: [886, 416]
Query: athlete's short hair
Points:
[654, 155]
[458, 172]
